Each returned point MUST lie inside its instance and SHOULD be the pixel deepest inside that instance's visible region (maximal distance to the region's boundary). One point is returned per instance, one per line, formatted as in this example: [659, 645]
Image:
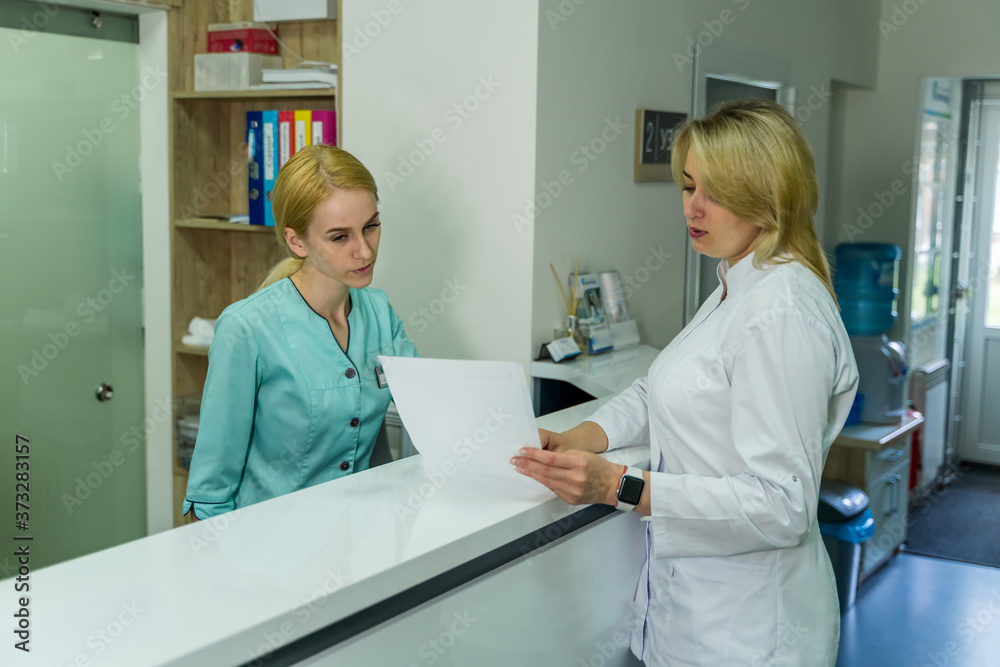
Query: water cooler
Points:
[865, 282]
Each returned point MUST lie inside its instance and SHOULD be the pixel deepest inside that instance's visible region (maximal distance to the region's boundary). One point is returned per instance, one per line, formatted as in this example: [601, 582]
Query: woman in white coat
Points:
[739, 412]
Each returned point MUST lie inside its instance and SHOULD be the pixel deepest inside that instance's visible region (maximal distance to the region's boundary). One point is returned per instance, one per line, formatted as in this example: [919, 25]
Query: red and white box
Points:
[236, 37]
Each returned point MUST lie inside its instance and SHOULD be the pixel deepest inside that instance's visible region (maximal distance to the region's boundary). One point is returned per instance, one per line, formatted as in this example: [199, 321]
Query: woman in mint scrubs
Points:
[294, 394]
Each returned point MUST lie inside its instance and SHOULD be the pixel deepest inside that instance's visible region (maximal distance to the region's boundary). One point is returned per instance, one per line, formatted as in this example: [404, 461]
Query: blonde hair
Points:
[755, 162]
[311, 176]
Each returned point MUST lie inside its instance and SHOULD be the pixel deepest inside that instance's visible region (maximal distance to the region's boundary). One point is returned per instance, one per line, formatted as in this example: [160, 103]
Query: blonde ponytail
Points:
[286, 268]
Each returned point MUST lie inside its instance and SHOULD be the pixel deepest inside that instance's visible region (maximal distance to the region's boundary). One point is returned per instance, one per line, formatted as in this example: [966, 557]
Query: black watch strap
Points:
[630, 489]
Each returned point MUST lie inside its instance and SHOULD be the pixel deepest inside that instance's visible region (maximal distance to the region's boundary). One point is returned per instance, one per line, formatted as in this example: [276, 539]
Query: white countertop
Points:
[876, 437]
[216, 592]
[602, 375]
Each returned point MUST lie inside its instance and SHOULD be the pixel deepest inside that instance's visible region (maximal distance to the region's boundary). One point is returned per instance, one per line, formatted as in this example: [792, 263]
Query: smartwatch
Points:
[630, 490]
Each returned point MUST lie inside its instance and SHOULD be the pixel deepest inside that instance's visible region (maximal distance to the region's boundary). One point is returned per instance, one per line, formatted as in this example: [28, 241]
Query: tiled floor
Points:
[924, 612]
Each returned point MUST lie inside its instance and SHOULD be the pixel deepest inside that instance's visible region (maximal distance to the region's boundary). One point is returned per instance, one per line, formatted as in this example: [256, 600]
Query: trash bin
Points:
[845, 521]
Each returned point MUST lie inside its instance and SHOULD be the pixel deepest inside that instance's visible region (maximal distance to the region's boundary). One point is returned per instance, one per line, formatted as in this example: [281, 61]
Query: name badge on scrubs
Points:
[380, 378]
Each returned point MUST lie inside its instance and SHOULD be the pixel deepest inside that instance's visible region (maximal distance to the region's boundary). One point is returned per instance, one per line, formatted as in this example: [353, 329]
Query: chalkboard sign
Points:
[654, 133]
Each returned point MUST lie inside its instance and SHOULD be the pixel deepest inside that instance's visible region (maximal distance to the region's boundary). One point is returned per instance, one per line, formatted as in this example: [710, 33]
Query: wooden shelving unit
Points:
[208, 223]
[216, 263]
[254, 94]
[181, 348]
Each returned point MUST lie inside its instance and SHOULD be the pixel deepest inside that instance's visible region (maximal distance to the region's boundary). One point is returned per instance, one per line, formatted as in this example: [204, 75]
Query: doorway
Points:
[724, 73]
[978, 438]
[72, 394]
[954, 309]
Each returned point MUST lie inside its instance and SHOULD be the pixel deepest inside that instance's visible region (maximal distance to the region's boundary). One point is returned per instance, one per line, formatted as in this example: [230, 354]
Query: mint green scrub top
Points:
[284, 407]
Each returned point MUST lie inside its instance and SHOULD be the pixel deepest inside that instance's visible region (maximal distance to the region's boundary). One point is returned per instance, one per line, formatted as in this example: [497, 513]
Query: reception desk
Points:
[396, 565]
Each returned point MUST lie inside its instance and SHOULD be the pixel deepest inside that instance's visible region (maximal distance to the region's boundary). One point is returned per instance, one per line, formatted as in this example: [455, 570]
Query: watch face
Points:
[631, 491]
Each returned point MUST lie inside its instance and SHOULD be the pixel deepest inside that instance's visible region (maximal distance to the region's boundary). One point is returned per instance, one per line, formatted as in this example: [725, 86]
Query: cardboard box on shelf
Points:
[231, 71]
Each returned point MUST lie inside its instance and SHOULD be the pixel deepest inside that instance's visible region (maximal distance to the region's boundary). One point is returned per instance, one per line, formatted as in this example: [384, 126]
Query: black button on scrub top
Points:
[349, 373]
[355, 422]
[345, 465]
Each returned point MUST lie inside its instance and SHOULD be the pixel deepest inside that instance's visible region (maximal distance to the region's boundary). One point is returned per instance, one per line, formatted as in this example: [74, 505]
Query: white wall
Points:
[155, 170]
[879, 127]
[603, 60]
[568, 73]
[446, 222]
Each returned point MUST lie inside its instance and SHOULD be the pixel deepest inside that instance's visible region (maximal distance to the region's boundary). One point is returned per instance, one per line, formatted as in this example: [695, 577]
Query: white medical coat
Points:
[739, 412]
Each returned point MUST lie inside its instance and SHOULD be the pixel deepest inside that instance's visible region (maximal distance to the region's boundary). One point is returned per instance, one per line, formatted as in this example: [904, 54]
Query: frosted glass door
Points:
[72, 290]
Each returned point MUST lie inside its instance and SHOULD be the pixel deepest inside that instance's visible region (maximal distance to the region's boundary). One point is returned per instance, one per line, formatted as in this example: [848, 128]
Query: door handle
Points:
[890, 500]
[105, 392]
[894, 494]
[899, 492]
[960, 290]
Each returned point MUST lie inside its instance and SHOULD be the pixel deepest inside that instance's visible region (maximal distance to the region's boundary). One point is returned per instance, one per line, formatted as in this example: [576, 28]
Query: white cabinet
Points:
[888, 496]
[877, 460]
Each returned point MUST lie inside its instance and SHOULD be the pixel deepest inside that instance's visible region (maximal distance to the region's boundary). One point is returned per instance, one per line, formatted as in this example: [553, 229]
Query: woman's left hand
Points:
[578, 477]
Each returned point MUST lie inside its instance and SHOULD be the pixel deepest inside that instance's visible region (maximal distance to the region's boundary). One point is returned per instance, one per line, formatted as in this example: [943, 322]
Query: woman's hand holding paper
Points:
[586, 436]
[578, 477]
[555, 442]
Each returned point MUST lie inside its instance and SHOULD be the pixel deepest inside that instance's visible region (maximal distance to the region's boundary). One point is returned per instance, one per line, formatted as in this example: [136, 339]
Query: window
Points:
[935, 146]
[993, 286]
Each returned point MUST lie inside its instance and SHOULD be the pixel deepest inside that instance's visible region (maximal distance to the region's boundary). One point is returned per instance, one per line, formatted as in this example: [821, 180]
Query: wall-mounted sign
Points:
[654, 134]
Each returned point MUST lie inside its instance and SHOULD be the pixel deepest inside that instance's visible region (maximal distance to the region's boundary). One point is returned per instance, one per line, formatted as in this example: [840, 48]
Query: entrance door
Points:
[72, 286]
[723, 73]
[980, 432]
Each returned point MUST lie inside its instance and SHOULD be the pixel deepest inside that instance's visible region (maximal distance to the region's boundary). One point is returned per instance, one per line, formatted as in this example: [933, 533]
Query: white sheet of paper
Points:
[468, 416]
